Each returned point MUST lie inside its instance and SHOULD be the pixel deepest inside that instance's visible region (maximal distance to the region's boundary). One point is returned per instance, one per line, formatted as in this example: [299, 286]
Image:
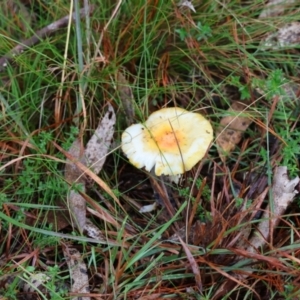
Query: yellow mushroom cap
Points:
[172, 140]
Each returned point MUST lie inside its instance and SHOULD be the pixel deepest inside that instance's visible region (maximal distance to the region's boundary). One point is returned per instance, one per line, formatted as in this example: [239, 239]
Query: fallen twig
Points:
[39, 35]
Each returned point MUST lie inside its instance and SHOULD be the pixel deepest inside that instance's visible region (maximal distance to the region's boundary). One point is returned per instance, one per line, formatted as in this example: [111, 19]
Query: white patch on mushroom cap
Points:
[172, 140]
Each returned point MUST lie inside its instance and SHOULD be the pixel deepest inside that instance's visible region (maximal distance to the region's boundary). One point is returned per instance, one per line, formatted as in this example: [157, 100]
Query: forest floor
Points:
[74, 76]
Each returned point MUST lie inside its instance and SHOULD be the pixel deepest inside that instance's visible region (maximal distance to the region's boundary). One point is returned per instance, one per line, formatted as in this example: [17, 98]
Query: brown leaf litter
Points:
[231, 128]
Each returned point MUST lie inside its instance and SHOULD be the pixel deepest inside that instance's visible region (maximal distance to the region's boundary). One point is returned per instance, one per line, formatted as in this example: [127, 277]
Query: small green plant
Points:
[291, 151]
[238, 202]
[70, 137]
[200, 32]
[203, 31]
[185, 193]
[11, 291]
[271, 86]
[243, 88]
[57, 286]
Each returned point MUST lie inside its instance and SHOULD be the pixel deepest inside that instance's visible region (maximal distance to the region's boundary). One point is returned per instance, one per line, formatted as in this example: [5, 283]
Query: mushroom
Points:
[172, 141]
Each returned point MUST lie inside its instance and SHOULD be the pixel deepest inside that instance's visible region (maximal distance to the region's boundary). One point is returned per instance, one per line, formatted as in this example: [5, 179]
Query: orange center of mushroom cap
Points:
[165, 138]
